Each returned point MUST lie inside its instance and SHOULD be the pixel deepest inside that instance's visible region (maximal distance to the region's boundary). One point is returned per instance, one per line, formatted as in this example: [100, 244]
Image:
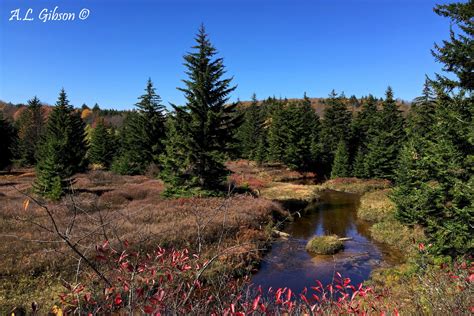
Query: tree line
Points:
[428, 154]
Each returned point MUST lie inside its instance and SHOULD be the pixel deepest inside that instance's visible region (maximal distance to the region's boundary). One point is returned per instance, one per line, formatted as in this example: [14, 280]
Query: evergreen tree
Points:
[175, 158]
[335, 127]
[143, 136]
[31, 126]
[291, 133]
[278, 133]
[384, 148]
[456, 53]
[62, 150]
[207, 124]
[341, 165]
[364, 127]
[96, 108]
[7, 141]
[359, 165]
[250, 130]
[436, 174]
[102, 145]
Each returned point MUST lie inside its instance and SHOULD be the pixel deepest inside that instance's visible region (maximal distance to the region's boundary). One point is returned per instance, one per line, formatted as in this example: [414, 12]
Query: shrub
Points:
[125, 165]
[324, 245]
[169, 282]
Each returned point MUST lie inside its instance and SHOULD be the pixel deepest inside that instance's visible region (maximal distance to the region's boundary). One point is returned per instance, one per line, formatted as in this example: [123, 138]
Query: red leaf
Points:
[148, 309]
[255, 303]
[118, 299]
[288, 295]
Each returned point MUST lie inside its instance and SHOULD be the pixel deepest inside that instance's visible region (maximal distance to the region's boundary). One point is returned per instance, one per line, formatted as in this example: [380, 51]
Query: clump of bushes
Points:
[324, 245]
[376, 206]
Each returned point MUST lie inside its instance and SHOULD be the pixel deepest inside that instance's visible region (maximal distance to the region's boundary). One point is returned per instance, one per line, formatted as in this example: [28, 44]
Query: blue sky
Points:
[271, 47]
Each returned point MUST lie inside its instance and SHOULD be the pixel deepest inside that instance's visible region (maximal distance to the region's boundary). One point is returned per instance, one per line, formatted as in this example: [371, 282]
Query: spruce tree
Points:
[278, 133]
[176, 172]
[436, 174]
[102, 145]
[335, 127]
[7, 141]
[31, 126]
[250, 130]
[364, 127]
[62, 150]
[341, 165]
[358, 166]
[207, 123]
[291, 133]
[384, 147]
[143, 135]
[456, 53]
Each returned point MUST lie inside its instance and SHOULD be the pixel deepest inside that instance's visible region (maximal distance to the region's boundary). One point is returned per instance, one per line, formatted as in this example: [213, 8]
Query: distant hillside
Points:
[115, 118]
[319, 104]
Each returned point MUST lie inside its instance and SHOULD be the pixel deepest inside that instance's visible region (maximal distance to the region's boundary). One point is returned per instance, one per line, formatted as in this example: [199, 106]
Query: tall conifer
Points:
[31, 126]
[341, 165]
[384, 147]
[207, 123]
[62, 150]
[143, 135]
[436, 174]
[102, 145]
[335, 127]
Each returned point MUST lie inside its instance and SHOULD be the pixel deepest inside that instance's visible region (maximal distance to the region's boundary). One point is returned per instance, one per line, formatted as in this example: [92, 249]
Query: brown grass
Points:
[130, 208]
[354, 185]
[376, 206]
[272, 181]
[288, 191]
[269, 172]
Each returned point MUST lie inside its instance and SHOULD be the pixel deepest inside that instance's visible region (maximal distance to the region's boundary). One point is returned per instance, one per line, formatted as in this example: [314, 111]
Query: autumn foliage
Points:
[171, 282]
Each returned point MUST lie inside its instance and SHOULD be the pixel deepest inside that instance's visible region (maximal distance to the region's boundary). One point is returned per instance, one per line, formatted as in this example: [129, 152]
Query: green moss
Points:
[324, 245]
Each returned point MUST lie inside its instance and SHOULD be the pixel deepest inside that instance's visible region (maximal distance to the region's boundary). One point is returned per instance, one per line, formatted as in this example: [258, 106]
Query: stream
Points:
[288, 264]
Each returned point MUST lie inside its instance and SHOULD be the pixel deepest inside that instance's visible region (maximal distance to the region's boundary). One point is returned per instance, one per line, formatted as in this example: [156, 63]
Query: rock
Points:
[278, 233]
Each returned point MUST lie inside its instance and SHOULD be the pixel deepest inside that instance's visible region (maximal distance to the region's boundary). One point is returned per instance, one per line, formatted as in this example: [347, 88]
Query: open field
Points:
[104, 206]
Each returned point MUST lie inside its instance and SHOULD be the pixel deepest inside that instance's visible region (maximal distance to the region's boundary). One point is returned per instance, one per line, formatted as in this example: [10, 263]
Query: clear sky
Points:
[271, 47]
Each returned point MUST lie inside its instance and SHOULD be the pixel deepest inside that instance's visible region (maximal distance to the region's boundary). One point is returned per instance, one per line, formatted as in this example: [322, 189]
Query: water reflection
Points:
[289, 265]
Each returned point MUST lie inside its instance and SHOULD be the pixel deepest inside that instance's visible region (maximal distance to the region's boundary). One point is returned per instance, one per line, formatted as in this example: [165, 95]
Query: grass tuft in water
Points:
[324, 245]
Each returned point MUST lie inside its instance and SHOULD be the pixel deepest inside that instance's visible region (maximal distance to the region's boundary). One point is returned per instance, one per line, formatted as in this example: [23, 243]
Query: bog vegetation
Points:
[424, 151]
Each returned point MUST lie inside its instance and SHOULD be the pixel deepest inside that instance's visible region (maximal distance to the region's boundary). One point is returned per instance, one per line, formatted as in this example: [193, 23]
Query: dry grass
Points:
[288, 191]
[271, 181]
[354, 185]
[376, 206]
[108, 206]
[271, 172]
[397, 235]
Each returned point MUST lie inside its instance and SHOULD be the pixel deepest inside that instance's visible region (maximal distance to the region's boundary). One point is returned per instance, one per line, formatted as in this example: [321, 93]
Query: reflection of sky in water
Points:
[288, 264]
